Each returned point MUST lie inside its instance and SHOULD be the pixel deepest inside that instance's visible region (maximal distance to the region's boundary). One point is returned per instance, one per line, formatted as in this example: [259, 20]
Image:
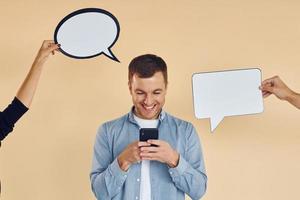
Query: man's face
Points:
[148, 95]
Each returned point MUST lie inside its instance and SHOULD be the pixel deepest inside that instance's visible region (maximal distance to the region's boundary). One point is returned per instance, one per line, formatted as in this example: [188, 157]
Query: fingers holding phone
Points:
[130, 155]
[158, 150]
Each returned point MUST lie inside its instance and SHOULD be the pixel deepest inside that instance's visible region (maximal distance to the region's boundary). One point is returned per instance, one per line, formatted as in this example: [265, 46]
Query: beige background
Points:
[48, 156]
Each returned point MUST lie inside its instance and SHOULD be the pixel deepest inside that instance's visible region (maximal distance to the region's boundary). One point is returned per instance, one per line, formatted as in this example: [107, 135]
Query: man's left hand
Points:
[162, 152]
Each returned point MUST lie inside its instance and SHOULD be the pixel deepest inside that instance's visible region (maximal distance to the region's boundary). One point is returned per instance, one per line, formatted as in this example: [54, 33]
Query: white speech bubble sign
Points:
[227, 93]
[87, 33]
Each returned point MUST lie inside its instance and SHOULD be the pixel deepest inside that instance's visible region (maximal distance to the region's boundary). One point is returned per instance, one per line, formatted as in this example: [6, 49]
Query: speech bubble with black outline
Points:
[79, 13]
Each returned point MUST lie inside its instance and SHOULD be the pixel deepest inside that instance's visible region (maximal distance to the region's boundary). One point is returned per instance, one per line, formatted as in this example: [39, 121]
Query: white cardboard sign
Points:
[227, 93]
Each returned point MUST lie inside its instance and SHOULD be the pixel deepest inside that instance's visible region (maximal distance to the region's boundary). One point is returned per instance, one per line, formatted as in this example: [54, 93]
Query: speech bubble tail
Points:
[110, 54]
[214, 122]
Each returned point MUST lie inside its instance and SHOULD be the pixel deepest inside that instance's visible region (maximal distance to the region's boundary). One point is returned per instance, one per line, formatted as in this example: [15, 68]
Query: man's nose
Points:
[149, 100]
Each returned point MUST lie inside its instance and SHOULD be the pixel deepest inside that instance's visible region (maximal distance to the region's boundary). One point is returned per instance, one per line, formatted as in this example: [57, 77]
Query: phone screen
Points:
[148, 134]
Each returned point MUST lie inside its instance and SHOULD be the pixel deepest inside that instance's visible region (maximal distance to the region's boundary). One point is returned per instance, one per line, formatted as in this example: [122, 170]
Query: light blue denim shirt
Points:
[109, 181]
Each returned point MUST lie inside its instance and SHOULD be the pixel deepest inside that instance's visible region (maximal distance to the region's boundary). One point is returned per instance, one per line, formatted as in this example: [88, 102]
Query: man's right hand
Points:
[131, 154]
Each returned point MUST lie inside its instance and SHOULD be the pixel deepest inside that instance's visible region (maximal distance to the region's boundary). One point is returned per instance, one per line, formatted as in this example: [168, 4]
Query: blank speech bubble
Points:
[87, 33]
[227, 93]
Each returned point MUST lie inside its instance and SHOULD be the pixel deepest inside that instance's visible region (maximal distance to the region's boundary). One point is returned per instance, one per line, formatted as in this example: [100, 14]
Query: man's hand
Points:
[162, 152]
[131, 154]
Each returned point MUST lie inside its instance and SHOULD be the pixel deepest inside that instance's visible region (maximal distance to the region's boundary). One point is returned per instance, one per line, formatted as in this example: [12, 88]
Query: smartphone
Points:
[148, 134]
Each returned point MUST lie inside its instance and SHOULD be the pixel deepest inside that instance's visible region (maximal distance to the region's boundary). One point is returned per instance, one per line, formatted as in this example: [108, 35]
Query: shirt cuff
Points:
[180, 168]
[117, 172]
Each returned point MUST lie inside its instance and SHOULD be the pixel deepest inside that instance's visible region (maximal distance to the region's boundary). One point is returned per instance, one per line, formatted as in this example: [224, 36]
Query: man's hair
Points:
[145, 66]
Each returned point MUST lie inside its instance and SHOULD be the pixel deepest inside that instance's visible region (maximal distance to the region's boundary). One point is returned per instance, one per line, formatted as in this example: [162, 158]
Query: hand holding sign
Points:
[87, 33]
[227, 93]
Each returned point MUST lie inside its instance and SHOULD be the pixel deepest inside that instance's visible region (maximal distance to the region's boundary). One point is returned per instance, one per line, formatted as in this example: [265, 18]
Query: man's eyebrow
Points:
[138, 90]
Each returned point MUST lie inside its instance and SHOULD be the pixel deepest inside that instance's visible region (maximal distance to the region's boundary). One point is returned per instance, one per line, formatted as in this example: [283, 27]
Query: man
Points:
[23, 99]
[277, 87]
[127, 169]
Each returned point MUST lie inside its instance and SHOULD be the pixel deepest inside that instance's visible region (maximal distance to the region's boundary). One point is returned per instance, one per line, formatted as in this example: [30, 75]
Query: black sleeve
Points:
[10, 116]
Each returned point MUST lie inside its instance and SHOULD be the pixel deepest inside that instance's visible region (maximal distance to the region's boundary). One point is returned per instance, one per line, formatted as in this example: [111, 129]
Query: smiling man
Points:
[125, 168]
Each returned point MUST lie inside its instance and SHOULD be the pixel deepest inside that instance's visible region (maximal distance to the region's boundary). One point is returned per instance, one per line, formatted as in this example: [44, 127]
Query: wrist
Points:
[123, 164]
[291, 96]
[174, 162]
[294, 99]
[38, 62]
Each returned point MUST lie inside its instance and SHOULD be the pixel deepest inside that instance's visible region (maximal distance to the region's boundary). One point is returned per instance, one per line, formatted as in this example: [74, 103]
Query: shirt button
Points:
[125, 175]
[171, 172]
[138, 180]
[136, 198]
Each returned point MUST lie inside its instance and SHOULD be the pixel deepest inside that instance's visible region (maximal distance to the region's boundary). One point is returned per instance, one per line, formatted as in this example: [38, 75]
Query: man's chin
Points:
[149, 116]
[144, 114]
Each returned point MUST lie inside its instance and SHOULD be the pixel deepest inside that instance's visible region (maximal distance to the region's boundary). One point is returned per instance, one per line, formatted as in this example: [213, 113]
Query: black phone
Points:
[148, 134]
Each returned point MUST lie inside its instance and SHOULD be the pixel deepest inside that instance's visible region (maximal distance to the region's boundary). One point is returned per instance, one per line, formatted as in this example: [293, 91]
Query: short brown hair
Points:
[145, 66]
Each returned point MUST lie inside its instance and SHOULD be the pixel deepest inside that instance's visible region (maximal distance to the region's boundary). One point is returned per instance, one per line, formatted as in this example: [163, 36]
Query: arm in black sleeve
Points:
[10, 116]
